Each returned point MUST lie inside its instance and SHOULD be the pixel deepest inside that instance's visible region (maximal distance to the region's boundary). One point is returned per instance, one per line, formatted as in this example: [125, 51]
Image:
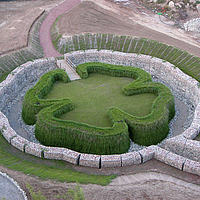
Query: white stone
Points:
[171, 4]
[110, 161]
[89, 160]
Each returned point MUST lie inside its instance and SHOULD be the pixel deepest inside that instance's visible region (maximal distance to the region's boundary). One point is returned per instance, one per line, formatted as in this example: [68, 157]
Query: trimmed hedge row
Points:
[52, 131]
[187, 62]
[147, 130]
[33, 101]
[80, 137]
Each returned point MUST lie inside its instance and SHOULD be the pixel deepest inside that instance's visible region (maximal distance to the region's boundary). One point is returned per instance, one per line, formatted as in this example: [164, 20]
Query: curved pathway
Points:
[9, 189]
[148, 176]
[45, 35]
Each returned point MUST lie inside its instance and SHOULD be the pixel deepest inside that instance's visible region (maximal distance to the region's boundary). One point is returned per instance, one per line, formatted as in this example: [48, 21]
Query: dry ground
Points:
[14, 25]
[142, 190]
[16, 18]
[106, 17]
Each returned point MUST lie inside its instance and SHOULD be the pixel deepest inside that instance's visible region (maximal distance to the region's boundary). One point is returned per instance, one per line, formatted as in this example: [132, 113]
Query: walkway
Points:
[71, 72]
[45, 35]
[9, 189]
[149, 176]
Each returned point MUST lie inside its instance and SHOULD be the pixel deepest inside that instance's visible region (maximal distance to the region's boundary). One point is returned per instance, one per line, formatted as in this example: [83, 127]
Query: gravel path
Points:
[9, 189]
[45, 35]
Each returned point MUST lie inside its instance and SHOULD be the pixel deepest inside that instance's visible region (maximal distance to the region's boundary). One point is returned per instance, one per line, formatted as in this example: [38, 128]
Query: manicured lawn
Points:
[95, 95]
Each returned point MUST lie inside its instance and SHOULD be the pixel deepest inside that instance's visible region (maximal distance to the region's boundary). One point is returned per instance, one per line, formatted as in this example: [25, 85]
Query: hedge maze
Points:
[52, 131]
[186, 62]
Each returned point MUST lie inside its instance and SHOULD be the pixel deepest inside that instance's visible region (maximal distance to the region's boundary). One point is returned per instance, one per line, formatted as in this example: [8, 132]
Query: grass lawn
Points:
[14, 159]
[95, 95]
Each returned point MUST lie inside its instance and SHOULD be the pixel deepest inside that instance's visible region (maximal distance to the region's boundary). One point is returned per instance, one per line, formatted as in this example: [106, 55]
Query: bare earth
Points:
[15, 21]
[16, 18]
[106, 17]
[122, 188]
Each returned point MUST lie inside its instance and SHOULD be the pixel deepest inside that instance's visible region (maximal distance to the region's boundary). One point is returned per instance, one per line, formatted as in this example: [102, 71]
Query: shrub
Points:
[33, 101]
[35, 195]
[52, 131]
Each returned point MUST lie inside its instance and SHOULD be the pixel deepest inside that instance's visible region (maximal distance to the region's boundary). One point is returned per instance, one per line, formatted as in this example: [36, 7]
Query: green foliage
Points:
[127, 44]
[161, 1]
[99, 93]
[52, 131]
[33, 102]
[75, 194]
[36, 196]
[55, 36]
[10, 61]
[14, 159]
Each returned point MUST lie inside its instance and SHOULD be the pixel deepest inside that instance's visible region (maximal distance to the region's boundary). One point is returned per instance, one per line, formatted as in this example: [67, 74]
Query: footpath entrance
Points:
[62, 64]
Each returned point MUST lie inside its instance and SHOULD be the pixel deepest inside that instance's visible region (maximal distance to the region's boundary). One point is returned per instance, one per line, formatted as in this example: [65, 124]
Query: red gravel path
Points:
[45, 36]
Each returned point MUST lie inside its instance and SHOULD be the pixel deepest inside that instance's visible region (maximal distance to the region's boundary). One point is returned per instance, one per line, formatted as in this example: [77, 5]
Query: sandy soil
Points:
[16, 18]
[107, 17]
[114, 19]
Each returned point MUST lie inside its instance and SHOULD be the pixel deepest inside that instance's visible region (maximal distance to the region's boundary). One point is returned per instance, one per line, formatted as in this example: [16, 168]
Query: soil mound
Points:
[88, 17]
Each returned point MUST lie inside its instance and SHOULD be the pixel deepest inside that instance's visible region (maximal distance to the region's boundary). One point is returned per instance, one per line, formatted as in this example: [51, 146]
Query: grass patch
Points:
[12, 60]
[94, 96]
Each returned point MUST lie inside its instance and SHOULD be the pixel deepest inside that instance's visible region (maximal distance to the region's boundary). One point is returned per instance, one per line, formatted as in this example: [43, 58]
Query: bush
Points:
[33, 101]
[52, 131]
[35, 195]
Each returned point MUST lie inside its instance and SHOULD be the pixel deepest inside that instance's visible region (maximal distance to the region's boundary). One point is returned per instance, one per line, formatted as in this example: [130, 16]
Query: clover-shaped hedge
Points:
[52, 131]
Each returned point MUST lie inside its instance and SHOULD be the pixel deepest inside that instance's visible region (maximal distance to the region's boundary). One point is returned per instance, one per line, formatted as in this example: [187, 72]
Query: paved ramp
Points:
[70, 71]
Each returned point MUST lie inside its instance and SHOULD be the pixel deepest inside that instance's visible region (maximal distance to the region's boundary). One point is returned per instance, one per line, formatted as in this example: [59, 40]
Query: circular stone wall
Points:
[177, 150]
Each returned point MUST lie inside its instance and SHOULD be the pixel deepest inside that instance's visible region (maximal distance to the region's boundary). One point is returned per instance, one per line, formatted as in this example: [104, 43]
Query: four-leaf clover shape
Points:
[52, 131]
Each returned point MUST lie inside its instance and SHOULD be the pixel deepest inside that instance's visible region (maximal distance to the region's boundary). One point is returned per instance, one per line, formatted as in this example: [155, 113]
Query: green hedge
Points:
[52, 131]
[147, 130]
[187, 62]
[33, 101]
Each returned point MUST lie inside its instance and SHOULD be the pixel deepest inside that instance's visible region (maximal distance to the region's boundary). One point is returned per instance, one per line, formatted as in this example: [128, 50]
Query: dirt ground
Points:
[103, 16]
[15, 21]
[143, 190]
[16, 18]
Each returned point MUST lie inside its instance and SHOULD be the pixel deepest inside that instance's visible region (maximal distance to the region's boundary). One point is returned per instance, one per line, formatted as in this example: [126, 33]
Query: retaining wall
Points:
[177, 80]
